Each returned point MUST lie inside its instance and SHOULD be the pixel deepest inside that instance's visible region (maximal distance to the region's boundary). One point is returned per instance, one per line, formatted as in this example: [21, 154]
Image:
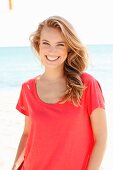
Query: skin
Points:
[53, 52]
[20, 152]
[99, 127]
[52, 49]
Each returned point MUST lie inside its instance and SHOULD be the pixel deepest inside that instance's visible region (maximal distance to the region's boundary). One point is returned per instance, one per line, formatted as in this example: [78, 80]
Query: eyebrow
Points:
[60, 42]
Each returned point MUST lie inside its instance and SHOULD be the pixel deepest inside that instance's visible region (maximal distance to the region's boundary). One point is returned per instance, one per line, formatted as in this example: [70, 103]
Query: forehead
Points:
[51, 33]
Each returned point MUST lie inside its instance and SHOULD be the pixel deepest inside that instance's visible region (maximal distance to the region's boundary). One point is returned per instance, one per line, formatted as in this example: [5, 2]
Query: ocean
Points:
[18, 64]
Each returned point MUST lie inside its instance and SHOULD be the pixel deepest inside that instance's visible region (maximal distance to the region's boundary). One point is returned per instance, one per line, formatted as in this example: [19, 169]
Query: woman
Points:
[65, 124]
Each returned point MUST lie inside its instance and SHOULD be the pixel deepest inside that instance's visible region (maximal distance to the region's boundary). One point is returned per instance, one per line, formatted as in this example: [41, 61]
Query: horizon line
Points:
[15, 46]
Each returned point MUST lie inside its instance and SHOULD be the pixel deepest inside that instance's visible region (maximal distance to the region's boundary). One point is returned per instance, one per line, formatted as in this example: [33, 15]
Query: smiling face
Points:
[52, 48]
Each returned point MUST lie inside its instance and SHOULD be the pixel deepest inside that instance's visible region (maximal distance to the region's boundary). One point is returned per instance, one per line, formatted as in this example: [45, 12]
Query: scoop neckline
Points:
[37, 95]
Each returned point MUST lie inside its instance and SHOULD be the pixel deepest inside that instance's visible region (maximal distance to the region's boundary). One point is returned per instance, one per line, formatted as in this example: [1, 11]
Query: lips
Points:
[51, 58]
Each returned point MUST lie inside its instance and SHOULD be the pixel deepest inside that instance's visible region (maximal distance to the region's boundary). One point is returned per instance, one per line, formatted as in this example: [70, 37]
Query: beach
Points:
[11, 125]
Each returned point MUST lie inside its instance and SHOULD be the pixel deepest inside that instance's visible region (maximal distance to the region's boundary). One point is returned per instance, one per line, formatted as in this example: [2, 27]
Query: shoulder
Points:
[93, 95]
[88, 78]
[29, 83]
[91, 84]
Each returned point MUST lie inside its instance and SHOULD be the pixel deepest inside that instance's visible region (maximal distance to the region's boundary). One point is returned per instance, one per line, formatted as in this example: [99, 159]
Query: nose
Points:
[51, 49]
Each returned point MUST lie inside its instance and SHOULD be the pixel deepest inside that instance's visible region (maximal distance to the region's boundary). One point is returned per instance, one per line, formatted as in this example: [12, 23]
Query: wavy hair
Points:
[76, 61]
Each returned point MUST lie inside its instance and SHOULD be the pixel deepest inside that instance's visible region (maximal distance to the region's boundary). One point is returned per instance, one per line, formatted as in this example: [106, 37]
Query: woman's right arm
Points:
[20, 152]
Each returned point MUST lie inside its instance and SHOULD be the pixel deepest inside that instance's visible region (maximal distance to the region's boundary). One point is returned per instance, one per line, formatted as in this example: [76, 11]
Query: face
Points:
[52, 49]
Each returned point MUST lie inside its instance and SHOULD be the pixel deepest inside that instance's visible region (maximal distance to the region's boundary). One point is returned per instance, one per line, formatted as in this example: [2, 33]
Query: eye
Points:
[45, 43]
[62, 45]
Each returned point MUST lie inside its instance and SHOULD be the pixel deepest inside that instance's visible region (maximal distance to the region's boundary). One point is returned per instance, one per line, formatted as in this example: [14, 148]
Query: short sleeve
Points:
[94, 97]
[22, 102]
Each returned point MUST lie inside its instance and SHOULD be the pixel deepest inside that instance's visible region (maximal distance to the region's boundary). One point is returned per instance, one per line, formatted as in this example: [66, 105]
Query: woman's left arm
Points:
[99, 127]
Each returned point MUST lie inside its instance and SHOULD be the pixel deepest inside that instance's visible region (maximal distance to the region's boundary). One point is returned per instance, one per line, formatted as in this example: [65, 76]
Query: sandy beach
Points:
[11, 126]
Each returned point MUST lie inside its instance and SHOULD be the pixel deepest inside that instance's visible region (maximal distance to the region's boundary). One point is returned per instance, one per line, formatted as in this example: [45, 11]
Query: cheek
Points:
[46, 51]
[64, 53]
[42, 51]
[55, 51]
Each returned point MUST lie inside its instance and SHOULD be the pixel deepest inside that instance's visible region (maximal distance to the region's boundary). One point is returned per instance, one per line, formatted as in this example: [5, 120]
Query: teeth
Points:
[52, 58]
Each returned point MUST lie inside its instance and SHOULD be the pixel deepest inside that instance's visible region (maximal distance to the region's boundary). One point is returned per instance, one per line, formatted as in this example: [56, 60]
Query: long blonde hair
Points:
[76, 61]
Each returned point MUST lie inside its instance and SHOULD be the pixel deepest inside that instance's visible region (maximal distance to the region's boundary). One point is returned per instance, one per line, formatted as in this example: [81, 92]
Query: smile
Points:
[51, 58]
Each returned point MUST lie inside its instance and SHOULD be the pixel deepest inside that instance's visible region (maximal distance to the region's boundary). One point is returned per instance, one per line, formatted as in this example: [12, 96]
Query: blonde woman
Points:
[65, 123]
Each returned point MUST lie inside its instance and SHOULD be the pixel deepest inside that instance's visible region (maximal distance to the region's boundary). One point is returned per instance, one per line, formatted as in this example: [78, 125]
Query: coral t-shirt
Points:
[61, 136]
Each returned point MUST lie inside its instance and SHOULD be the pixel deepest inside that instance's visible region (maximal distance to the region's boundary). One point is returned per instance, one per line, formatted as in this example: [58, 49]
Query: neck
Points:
[53, 75]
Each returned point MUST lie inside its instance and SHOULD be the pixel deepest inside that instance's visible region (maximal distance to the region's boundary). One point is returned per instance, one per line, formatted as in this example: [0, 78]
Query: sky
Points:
[92, 19]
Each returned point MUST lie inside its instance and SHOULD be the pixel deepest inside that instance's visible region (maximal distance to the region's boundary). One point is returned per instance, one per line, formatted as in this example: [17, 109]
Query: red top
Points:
[61, 136]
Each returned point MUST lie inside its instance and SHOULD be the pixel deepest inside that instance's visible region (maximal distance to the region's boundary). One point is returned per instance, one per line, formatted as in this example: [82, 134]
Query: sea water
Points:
[20, 63]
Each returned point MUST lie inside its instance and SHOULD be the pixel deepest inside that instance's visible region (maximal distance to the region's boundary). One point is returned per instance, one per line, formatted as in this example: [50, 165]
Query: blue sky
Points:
[92, 19]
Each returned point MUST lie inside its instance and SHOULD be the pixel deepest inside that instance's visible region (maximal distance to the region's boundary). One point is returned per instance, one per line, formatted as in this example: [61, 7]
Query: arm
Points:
[20, 152]
[98, 121]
